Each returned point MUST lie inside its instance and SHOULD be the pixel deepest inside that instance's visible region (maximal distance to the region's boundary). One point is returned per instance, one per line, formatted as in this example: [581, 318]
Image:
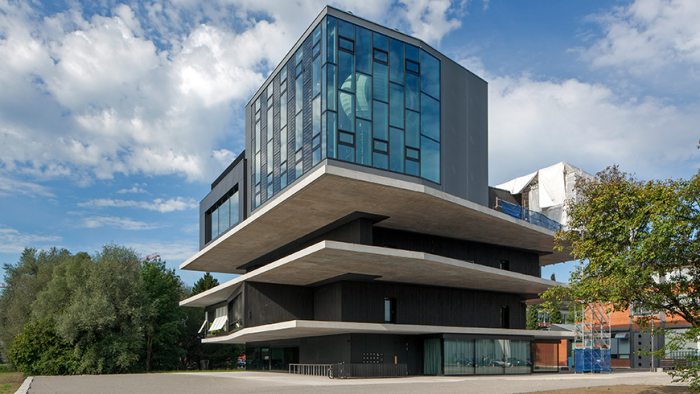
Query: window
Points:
[430, 75]
[620, 345]
[346, 45]
[396, 61]
[363, 60]
[396, 150]
[222, 216]
[505, 316]
[389, 310]
[504, 265]
[220, 319]
[364, 96]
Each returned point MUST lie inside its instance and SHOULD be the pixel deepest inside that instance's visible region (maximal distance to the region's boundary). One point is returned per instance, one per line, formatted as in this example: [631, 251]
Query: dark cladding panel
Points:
[271, 303]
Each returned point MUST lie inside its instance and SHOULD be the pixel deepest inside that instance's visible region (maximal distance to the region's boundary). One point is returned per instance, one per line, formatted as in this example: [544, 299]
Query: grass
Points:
[10, 382]
[623, 389]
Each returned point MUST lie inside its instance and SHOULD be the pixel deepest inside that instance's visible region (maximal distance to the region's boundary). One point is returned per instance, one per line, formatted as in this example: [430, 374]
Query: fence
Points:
[527, 215]
[344, 371]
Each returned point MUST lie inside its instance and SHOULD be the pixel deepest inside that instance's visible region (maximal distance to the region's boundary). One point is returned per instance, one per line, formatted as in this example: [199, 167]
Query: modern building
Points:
[358, 219]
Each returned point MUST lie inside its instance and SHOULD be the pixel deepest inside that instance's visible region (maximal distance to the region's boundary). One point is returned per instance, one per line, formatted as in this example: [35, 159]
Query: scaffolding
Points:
[592, 338]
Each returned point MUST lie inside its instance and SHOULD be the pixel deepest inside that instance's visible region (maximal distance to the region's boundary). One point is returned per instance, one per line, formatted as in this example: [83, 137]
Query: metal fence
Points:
[527, 215]
[349, 370]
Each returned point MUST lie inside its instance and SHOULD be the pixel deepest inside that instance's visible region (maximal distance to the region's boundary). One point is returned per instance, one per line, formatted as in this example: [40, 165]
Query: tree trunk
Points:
[149, 351]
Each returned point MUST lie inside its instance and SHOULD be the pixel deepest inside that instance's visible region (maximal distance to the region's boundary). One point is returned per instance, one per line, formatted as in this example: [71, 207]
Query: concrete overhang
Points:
[331, 192]
[310, 328]
[327, 260]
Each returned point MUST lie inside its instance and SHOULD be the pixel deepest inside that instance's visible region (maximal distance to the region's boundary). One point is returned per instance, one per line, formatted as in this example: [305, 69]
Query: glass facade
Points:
[222, 216]
[486, 356]
[352, 94]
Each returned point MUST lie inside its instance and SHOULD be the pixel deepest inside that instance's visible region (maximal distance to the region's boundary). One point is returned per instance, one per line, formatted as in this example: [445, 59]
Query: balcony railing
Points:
[522, 213]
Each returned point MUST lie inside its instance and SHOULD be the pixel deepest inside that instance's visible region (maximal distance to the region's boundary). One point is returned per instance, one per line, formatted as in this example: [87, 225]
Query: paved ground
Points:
[265, 382]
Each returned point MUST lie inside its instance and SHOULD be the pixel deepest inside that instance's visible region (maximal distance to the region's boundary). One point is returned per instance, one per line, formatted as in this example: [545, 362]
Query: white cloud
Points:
[13, 187]
[157, 92]
[534, 123]
[137, 188]
[14, 241]
[173, 252]
[115, 222]
[158, 204]
[647, 35]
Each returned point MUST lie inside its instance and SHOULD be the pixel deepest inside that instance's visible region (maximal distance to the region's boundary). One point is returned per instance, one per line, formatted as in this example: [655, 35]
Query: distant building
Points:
[359, 222]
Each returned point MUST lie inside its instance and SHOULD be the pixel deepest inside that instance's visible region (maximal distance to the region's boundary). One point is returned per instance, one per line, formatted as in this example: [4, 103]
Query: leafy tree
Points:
[163, 318]
[206, 282]
[39, 350]
[531, 317]
[24, 281]
[639, 244]
[97, 306]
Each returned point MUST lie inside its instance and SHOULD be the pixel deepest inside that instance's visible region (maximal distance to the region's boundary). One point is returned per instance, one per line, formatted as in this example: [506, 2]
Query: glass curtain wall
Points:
[222, 216]
[459, 356]
[432, 358]
[486, 356]
[352, 94]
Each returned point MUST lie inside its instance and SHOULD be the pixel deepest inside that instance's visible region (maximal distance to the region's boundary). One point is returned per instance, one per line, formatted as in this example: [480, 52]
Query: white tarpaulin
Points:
[551, 184]
[515, 186]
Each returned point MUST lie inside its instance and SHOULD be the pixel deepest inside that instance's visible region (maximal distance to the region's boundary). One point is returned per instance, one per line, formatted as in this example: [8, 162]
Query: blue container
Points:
[592, 360]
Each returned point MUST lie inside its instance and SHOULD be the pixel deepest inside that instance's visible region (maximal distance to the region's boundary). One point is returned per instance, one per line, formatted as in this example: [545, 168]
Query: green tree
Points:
[206, 282]
[163, 318]
[39, 350]
[24, 281]
[639, 244]
[531, 317]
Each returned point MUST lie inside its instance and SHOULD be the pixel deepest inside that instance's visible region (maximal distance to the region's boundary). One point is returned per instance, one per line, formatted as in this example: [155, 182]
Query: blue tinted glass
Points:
[345, 44]
[346, 71]
[298, 94]
[346, 112]
[396, 61]
[330, 39]
[364, 96]
[412, 67]
[430, 117]
[316, 75]
[396, 148]
[283, 73]
[330, 132]
[234, 208]
[412, 168]
[215, 223]
[283, 144]
[346, 138]
[381, 80]
[299, 132]
[412, 53]
[412, 129]
[412, 92]
[364, 142]
[412, 153]
[380, 160]
[430, 159]
[430, 74]
[330, 92]
[364, 50]
[381, 56]
[299, 168]
[316, 50]
[381, 146]
[381, 120]
[316, 156]
[283, 109]
[346, 29]
[316, 116]
[317, 34]
[381, 42]
[346, 153]
[397, 105]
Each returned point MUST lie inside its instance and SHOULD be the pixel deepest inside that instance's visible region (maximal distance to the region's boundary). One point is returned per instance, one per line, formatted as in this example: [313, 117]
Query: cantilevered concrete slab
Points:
[330, 259]
[311, 328]
[331, 192]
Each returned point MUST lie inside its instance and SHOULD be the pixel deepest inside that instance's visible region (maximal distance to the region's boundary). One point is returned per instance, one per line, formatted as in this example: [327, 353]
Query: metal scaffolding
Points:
[592, 341]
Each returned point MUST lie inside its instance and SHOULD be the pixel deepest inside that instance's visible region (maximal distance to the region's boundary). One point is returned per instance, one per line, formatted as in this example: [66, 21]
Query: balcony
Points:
[522, 213]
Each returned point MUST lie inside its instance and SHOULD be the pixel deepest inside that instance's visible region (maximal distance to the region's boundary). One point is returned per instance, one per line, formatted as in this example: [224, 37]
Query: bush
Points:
[39, 350]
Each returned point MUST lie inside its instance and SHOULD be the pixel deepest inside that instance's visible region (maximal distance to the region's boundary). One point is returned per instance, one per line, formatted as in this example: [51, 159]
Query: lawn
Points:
[10, 382]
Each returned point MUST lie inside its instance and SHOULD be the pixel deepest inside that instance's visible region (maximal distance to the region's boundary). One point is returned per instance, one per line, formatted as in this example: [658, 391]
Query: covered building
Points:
[358, 218]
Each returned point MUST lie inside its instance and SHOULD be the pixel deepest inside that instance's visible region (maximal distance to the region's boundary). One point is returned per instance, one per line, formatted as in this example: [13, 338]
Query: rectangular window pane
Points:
[316, 35]
[381, 146]
[283, 73]
[234, 209]
[412, 67]
[316, 75]
[330, 92]
[283, 144]
[396, 150]
[346, 71]
[396, 61]
[299, 132]
[380, 160]
[381, 120]
[412, 168]
[346, 45]
[215, 223]
[257, 136]
[298, 94]
[381, 42]
[283, 110]
[459, 356]
[430, 159]
[299, 169]
[331, 132]
[411, 53]
[270, 184]
[380, 56]
[364, 142]
[346, 153]
[346, 113]
[412, 129]
[430, 74]
[412, 92]
[364, 96]
[270, 130]
[316, 156]
[412, 153]
[364, 50]
[346, 138]
[316, 116]
[346, 29]
[430, 117]
[331, 39]
[397, 106]
[489, 357]
[381, 81]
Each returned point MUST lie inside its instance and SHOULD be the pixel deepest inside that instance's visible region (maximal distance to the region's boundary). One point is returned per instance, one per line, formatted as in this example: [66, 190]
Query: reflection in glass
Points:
[396, 150]
[430, 117]
[396, 62]
[430, 159]
[397, 106]
[381, 120]
[430, 74]
[364, 96]
[363, 44]
[364, 142]
[412, 92]
[381, 81]
[346, 72]
[331, 132]
[413, 129]
[459, 356]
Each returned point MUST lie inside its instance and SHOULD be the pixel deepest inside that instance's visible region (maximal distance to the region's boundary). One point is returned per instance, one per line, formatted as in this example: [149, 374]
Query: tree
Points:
[553, 277]
[39, 350]
[206, 282]
[163, 318]
[639, 245]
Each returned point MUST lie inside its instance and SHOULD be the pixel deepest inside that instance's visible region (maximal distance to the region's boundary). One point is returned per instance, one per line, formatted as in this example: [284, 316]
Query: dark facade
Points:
[357, 96]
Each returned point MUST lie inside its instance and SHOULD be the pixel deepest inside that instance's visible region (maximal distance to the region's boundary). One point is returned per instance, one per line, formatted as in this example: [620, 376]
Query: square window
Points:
[381, 56]
[346, 45]
[412, 67]
[346, 138]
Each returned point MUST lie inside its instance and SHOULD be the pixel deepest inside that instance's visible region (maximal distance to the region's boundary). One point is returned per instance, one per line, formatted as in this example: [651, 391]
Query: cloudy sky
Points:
[115, 117]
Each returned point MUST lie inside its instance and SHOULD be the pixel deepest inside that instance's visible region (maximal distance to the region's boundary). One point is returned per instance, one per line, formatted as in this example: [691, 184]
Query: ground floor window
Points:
[486, 356]
[432, 357]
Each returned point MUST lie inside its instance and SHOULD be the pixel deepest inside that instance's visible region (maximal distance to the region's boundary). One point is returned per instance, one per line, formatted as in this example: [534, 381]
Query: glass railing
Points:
[527, 215]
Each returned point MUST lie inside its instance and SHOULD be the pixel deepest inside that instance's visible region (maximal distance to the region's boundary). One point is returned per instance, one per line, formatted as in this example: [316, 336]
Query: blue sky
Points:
[116, 116]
